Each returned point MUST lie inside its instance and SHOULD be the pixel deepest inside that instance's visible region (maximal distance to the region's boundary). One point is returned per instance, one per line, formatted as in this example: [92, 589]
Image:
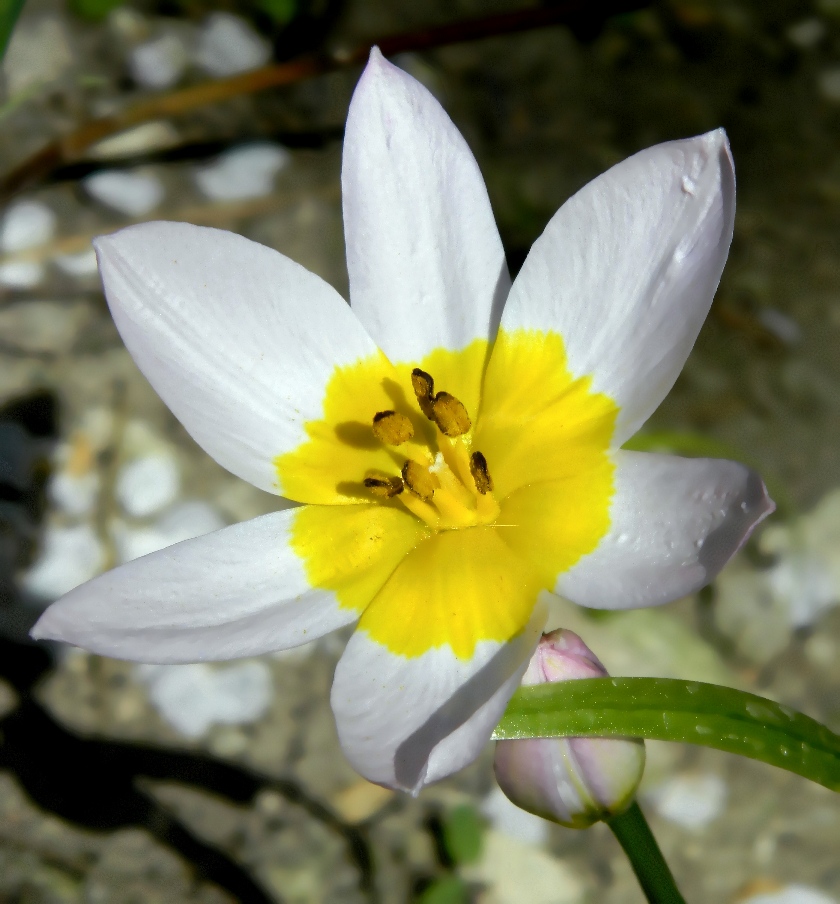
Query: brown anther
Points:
[419, 480]
[423, 386]
[450, 415]
[384, 486]
[480, 474]
[392, 428]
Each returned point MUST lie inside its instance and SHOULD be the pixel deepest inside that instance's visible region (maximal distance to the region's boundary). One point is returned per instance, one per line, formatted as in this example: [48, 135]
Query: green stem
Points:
[9, 11]
[634, 835]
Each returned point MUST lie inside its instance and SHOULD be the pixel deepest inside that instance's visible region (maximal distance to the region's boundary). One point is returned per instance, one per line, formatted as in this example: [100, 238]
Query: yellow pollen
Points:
[450, 415]
[424, 387]
[480, 474]
[419, 480]
[392, 428]
[384, 486]
[444, 409]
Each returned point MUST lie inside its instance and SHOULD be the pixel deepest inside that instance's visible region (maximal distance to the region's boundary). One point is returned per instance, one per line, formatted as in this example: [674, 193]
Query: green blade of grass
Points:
[9, 12]
[672, 710]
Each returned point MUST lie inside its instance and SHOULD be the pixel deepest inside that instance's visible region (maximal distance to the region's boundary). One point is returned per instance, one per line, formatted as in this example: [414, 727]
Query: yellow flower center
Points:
[445, 484]
[450, 492]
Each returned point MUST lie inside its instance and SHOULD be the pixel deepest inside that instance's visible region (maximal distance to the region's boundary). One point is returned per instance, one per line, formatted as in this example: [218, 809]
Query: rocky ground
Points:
[544, 112]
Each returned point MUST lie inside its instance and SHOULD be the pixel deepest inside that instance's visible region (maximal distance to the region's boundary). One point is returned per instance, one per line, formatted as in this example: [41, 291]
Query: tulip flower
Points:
[453, 443]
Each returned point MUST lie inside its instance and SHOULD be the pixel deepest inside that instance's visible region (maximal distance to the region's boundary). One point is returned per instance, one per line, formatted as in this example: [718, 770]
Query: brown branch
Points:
[71, 147]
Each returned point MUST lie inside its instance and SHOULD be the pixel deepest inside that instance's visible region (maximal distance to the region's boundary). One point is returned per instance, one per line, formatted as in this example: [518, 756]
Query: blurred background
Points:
[126, 783]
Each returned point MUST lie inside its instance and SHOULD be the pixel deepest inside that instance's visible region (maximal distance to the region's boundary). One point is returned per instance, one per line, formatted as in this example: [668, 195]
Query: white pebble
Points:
[69, 556]
[81, 264]
[192, 698]
[244, 172]
[147, 485]
[182, 522]
[132, 194]
[782, 326]
[807, 33]
[691, 800]
[159, 63]
[228, 45]
[74, 494]
[828, 82]
[21, 274]
[790, 894]
[512, 821]
[26, 224]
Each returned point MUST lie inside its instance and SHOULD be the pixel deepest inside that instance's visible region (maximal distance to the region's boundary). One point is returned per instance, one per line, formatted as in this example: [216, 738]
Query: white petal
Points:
[240, 591]
[238, 340]
[627, 268]
[404, 722]
[426, 263]
[675, 522]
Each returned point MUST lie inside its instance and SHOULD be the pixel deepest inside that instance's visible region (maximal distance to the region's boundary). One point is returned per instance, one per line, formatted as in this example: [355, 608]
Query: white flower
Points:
[435, 516]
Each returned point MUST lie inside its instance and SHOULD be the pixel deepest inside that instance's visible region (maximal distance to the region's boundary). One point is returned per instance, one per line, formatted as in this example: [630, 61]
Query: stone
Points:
[74, 494]
[147, 485]
[228, 45]
[510, 870]
[159, 63]
[81, 264]
[69, 556]
[244, 172]
[44, 327]
[26, 224]
[788, 894]
[690, 800]
[21, 274]
[181, 522]
[750, 613]
[806, 575]
[512, 821]
[807, 33]
[131, 193]
[828, 83]
[192, 698]
[361, 801]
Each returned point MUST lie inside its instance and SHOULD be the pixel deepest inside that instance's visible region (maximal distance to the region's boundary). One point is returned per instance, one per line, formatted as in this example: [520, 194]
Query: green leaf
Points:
[463, 829]
[93, 10]
[9, 12]
[281, 11]
[450, 890]
[672, 710]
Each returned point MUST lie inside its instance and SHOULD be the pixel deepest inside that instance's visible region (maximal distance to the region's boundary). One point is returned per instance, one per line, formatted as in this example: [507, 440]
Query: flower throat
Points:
[449, 489]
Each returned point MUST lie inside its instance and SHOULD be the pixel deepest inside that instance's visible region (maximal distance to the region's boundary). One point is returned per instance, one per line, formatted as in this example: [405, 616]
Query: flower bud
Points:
[573, 781]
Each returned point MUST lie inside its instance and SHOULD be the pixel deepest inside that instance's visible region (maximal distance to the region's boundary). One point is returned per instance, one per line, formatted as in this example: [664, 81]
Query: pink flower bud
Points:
[573, 781]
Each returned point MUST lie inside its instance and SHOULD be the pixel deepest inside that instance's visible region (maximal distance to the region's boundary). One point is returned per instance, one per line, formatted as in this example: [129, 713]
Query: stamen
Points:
[450, 415]
[480, 474]
[384, 486]
[392, 428]
[423, 386]
[418, 480]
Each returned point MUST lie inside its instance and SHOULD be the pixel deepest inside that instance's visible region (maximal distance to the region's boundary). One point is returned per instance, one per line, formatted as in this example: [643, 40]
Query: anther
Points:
[392, 428]
[450, 415]
[418, 480]
[480, 474]
[384, 486]
[423, 386]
